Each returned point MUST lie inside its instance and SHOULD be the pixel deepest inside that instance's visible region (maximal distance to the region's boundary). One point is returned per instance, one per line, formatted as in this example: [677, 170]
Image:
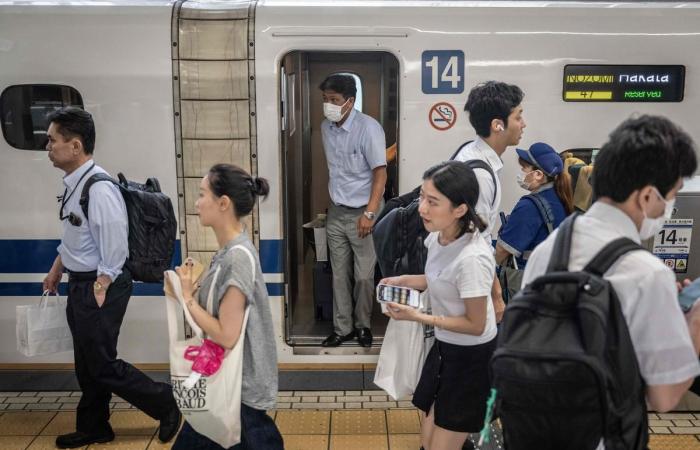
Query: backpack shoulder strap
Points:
[459, 149]
[609, 254]
[545, 210]
[480, 164]
[559, 260]
[85, 194]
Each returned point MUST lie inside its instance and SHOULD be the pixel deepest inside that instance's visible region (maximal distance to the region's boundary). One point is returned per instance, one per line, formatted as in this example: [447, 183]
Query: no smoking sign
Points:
[442, 116]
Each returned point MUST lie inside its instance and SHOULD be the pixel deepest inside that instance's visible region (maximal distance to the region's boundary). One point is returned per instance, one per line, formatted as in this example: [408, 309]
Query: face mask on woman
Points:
[334, 113]
[522, 180]
[652, 226]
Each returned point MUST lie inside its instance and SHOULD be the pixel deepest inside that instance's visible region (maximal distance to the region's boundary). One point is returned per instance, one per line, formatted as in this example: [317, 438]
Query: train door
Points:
[309, 294]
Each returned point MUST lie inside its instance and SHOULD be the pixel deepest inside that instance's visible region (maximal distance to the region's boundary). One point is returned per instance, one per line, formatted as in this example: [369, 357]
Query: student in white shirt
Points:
[637, 176]
[459, 271]
[496, 113]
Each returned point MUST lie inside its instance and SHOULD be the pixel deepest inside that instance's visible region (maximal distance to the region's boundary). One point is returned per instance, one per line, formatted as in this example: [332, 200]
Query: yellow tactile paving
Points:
[404, 441]
[272, 413]
[133, 423]
[363, 441]
[63, 422]
[24, 423]
[124, 443]
[668, 442]
[402, 421]
[358, 422]
[303, 422]
[15, 442]
[306, 442]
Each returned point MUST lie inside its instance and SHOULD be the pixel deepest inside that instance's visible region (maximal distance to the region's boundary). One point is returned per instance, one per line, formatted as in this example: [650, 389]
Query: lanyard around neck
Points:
[65, 199]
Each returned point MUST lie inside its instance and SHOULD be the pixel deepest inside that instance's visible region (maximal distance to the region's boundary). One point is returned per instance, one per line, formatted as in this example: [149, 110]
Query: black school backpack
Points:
[565, 370]
[152, 225]
[399, 233]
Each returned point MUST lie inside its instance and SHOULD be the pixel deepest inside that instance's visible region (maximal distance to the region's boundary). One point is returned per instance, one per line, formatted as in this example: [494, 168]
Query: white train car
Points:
[175, 87]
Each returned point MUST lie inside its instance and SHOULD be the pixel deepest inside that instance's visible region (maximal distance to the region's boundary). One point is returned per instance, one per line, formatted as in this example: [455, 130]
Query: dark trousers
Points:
[258, 432]
[100, 373]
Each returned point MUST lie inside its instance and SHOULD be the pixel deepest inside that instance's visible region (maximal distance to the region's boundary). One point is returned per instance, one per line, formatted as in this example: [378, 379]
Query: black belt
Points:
[350, 207]
[81, 276]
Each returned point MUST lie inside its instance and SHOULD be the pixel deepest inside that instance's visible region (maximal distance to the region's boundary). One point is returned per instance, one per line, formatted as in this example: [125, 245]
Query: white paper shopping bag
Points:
[42, 329]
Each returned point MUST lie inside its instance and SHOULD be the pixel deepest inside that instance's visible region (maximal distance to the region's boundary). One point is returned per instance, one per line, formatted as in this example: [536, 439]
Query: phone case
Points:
[398, 294]
[689, 295]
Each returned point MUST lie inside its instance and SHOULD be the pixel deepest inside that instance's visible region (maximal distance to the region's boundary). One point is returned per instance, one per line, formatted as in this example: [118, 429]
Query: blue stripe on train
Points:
[140, 289]
[37, 255]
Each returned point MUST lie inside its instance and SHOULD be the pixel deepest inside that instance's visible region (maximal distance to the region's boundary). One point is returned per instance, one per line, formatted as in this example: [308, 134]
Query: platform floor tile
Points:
[401, 421]
[24, 423]
[303, 422]
[404, 441]
[47, 442]
[663, 442]
[132, 423]
[362, 441]
[358, 422]
[306, 442]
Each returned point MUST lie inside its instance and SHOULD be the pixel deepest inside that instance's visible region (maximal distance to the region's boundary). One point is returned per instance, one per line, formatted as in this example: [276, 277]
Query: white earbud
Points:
[499, 127]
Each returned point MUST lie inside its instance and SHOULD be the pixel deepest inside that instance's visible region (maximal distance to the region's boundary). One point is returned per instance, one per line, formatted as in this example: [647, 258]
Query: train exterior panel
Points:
[131, 63]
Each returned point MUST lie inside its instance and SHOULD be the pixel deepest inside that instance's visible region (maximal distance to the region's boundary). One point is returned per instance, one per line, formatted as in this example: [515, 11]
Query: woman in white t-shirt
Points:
[454, 383]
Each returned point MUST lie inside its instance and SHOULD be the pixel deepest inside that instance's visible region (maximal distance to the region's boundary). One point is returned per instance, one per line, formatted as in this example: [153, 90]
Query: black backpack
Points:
[399, 233]
[565, 369]
[152, 225]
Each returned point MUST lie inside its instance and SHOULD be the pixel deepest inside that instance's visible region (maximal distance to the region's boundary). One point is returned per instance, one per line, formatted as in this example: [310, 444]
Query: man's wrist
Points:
[369, 214]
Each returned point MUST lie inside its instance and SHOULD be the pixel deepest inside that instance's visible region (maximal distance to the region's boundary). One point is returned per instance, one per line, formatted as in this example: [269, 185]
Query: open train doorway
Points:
[308, 277]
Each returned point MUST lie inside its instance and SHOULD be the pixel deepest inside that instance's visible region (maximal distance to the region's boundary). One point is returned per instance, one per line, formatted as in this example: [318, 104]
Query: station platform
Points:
[318, 420]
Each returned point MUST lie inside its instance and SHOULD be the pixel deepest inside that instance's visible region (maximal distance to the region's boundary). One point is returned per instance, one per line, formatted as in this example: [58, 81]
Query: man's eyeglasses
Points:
[73, 218]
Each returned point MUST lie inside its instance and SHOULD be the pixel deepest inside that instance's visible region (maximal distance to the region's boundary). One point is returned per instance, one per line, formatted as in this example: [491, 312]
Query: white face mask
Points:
[650, 226]
[521, 180]
[334, 113]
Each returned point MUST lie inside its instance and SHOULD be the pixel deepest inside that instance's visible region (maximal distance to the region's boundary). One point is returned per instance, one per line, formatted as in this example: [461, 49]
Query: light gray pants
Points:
[352, 261]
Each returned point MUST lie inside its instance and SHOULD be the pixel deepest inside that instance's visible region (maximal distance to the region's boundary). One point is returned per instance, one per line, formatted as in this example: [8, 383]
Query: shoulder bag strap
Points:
[609, 254]
[559, 261]
[545, 210]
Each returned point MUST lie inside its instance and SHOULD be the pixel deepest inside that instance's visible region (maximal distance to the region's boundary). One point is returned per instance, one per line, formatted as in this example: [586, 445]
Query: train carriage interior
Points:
[309, 296]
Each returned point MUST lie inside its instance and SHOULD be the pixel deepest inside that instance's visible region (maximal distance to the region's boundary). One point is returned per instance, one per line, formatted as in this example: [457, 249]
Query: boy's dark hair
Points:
[491, 100]
[642, 151]
[457, 181]
[74, 122]
[342, 84]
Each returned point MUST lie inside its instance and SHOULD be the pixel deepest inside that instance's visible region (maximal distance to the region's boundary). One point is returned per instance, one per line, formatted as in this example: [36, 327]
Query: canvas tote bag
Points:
[213, 406]
[43, 329]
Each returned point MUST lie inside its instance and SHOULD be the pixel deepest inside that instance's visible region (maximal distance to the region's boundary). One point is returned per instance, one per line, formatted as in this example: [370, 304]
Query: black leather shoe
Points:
[364, 336]
[335, 339]
[80, 439]
[169, 425]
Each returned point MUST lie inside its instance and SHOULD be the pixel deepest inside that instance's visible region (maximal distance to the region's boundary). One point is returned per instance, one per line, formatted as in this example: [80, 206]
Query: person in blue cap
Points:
[535, 215]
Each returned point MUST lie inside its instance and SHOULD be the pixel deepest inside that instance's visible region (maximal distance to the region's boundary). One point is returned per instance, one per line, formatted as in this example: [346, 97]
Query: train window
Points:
[23, 111]
[358, 85]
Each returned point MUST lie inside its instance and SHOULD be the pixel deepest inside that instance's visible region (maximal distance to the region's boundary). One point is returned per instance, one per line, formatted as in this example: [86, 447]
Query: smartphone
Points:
[689, 295]
[398, 294]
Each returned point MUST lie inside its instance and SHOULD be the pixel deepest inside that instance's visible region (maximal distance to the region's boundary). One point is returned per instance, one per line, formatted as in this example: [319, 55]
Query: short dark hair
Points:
[491, 100]
[238, 185]
[642, 151]
[342, 84]
[75, 122]
[457, 181]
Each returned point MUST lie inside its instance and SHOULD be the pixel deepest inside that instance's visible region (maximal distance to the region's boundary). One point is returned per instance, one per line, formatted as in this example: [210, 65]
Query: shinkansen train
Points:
[177, 86]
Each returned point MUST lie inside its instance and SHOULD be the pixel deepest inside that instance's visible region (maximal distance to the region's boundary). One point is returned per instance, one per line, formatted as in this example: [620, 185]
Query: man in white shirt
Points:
[355, 149]
[638, 174]
[496, 114]
[99, 286]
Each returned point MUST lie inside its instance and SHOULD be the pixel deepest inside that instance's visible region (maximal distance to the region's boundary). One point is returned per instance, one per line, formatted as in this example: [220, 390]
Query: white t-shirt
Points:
[645, 287]
[487, 206]
[461, 269]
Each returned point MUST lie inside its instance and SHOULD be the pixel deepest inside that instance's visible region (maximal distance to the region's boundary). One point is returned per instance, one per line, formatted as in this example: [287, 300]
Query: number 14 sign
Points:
[442, 72]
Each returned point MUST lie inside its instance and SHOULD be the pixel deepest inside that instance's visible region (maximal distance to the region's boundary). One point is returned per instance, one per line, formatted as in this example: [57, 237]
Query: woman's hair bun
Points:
[261, 187]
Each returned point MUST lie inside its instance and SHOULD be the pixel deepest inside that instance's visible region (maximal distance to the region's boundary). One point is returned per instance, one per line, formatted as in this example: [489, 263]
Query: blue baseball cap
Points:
[544, 157]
